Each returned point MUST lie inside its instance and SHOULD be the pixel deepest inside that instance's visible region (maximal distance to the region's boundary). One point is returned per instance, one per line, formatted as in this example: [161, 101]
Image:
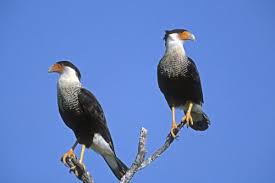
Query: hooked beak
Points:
[192, 37]
[56, 68]
[186, 35]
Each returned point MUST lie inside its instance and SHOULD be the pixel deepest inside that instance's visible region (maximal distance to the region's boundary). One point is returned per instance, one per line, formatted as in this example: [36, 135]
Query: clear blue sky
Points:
[117, 46]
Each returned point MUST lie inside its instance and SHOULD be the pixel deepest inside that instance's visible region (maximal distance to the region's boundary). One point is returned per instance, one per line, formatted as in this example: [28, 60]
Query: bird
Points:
[81, 112]
[179, 81]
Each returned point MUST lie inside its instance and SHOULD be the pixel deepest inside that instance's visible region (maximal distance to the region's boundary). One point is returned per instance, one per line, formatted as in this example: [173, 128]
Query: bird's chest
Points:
[173, 66]
[68, 100]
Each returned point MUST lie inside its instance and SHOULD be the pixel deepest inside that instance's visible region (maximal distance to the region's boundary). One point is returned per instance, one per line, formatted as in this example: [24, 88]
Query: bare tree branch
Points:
[139, 157]
[168, 142]
[139, 162]
[78, 169]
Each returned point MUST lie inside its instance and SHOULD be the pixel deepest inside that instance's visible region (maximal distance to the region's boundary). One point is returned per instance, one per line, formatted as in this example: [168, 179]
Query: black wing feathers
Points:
[192, 69]
[94, 113]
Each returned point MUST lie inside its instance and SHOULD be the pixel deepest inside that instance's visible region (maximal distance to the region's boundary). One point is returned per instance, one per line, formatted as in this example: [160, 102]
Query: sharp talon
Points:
[188, 119]
[174, 126]
[70, 153]
[172, 133]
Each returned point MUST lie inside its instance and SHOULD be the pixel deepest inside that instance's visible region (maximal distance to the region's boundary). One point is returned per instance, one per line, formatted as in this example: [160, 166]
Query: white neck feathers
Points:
[175, 45]
[68, 78]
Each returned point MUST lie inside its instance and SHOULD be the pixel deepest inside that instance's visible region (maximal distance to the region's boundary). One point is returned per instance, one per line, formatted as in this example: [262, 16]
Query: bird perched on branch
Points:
[81, 112]
[179, 81]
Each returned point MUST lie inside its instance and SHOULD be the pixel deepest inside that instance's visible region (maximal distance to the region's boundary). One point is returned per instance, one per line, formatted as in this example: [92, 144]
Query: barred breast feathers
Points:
[174, 63]
[67, 93]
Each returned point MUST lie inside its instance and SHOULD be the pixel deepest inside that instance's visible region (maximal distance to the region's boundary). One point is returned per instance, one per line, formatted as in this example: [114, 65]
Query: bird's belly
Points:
[82, 128]
[84, 137]
[178, 91]
[84, 132]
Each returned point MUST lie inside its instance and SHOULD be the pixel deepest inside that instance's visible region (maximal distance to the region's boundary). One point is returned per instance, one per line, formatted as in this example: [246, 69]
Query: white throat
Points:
[174, 43]
[68, 78]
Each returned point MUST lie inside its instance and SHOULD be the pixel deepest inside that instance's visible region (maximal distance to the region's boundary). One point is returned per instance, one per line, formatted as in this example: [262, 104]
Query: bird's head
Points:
[66, 69]
[178, 36]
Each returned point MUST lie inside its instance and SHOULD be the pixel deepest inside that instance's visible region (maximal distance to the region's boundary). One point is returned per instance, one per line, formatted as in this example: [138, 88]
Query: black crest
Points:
[69, 64]
[167, 32]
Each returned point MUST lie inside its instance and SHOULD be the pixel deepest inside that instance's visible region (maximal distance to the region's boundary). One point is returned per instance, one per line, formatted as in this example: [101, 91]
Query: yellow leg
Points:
[70, 153]
[174, 124]
[82, 156]
[188, 118]
[82, 153]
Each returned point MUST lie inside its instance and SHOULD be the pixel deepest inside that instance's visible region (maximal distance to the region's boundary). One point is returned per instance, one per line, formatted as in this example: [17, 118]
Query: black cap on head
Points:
[167, 32]
[69, 64]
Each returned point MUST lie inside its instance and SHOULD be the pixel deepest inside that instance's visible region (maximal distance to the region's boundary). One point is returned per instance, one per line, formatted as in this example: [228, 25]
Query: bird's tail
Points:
[116, 165]
[200, 121]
